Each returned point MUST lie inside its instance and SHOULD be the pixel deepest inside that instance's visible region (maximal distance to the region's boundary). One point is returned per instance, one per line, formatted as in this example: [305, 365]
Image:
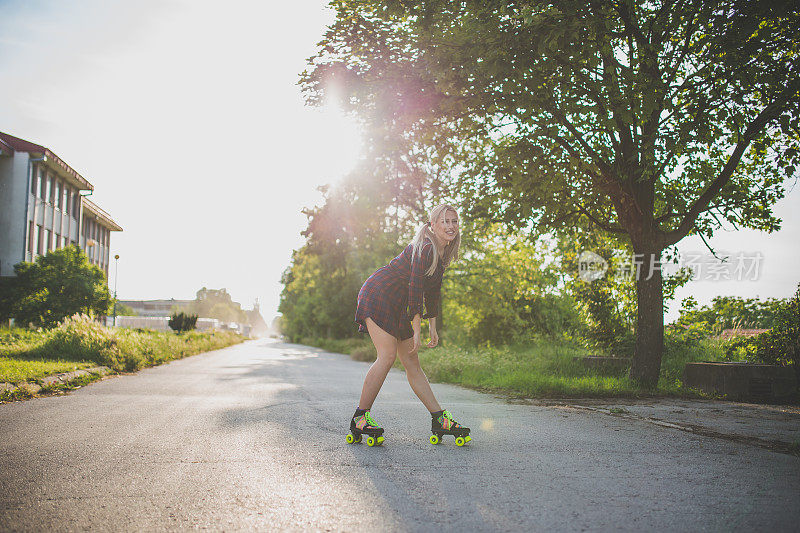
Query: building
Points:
[43, 207]
[157, 308]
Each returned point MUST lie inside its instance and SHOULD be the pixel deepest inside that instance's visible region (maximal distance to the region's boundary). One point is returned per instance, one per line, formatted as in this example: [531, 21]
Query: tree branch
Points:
[602, 225]
[767, 115]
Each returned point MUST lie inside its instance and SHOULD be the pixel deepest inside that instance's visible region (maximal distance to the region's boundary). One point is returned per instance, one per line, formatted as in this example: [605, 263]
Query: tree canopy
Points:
[55, 286]
[647, 120]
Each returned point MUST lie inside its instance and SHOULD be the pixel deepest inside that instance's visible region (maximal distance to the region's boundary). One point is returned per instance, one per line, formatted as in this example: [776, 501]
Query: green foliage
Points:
[742, 348]
[13, 370]
[781, 344]
[347, 239]
[649, 120]
[182, 322]
[731, 312]
[54, 286]
[504, 290]
[79, 338]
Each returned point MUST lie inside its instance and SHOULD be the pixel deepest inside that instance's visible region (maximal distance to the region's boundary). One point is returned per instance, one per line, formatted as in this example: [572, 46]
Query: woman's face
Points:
[446, 228]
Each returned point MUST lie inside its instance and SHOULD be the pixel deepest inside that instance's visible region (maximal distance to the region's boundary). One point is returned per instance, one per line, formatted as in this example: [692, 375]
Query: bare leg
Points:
[386, 346]
[416, 377]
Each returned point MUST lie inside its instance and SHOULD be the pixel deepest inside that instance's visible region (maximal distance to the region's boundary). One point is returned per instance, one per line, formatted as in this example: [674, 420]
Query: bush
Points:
[731, 312]
[53, 287]
[781, 344]
[181, 322]
[741, 349]
[79, 338]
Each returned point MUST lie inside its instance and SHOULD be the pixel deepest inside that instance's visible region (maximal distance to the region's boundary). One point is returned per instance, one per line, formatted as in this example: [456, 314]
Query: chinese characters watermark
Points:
[702, 266]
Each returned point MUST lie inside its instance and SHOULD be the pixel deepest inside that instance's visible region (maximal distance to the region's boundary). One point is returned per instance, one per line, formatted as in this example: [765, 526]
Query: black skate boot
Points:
[442, 423]
[363, 424]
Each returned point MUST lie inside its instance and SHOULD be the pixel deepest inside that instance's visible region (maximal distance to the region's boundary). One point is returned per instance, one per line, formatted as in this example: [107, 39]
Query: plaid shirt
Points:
[396, 292]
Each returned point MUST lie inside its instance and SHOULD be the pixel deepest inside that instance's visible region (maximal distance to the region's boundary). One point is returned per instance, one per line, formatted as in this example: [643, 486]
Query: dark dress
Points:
[395, 293]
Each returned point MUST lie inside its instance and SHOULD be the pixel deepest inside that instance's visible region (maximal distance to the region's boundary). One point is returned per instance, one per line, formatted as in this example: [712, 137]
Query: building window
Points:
[31, 227]
[48, 240]
[43, 185]
[39, 239]
[57, 193]
[34, 181]
[68, 200]
[51, 190]
[66, 241]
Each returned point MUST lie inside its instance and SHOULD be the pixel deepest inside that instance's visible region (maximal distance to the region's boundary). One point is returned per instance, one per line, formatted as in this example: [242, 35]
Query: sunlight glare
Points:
[340, 141]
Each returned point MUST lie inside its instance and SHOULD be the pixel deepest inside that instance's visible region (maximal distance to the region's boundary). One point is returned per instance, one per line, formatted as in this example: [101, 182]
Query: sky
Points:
[187, 118]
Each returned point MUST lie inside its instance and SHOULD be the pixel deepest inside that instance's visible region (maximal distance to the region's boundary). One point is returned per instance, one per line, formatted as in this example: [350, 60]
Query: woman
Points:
[390, 308]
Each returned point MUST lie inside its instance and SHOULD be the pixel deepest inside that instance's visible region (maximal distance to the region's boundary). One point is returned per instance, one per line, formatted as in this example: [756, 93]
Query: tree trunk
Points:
[649, 344]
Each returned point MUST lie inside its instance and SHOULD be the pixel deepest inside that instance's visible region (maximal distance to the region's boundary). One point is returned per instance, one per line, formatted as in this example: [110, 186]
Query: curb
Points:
[772, 445]
[62, 378]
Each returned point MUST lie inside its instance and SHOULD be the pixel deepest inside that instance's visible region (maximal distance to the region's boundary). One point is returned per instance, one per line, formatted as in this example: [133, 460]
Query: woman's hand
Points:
[434, 339]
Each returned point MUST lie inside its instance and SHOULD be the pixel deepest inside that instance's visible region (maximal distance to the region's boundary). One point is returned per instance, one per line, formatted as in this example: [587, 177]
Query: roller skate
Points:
[363, 424]
[442, 423]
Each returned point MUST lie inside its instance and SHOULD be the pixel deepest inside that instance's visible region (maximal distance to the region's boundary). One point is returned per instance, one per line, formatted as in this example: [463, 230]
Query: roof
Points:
[5, 148]
[51, 159]
[104, 218]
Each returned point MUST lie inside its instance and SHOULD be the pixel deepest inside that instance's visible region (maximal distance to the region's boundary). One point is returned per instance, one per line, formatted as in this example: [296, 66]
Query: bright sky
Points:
[187, 118]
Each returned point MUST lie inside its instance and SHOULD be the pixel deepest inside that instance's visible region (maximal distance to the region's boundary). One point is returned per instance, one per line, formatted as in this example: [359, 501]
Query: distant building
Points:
[161, 323]
[256, 321]
[157, 308]
[155, 314]
[42, 208]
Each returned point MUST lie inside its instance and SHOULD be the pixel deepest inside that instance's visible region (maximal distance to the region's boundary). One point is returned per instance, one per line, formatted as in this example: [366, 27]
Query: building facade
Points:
[157, 308]
[44, 206]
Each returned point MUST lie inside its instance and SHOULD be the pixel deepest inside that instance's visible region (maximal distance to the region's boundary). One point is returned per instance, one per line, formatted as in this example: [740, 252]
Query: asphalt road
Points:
[252, 438]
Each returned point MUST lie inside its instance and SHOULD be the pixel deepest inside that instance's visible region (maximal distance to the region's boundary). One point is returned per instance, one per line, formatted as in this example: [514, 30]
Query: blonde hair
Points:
[450, 252]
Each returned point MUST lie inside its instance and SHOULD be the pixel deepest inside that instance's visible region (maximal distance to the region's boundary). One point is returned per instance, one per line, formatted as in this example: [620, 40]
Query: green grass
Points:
[541, 368]
[79, 342]
[15, 370]
[23, 393]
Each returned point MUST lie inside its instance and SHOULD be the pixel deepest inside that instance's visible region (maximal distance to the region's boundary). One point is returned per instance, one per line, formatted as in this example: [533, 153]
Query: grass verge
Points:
[15, 370]
[79, 342]
[539, 369]
[24, 393]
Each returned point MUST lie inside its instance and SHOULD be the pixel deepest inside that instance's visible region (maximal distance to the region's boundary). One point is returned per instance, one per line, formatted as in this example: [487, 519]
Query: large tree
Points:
[53, 287]
[650, 120]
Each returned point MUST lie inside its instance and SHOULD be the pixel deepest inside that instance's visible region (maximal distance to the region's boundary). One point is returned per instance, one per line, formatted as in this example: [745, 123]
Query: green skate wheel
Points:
[467, 439]
[358, 439]
[370, 441]
[460, 441]
[379, 441]
[350, 438]
[435, 439]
